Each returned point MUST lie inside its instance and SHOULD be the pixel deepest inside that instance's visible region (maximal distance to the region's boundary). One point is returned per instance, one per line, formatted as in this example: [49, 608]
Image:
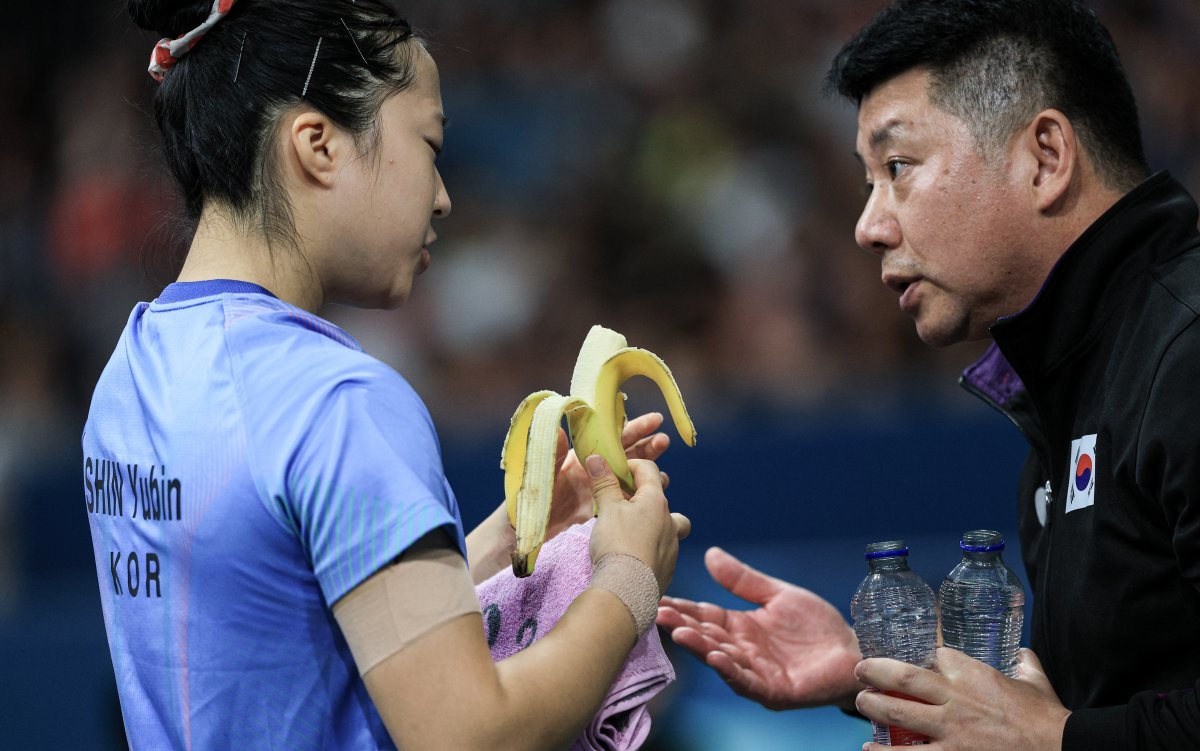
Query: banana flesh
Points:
[512, 456]
[595, 414]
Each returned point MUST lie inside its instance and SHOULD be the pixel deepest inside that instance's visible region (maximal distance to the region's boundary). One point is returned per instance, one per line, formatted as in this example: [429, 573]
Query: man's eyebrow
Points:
[882, 135]
[886, 132]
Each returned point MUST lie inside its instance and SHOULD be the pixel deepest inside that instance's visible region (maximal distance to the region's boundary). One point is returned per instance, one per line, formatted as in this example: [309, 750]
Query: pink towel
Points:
[517, 612]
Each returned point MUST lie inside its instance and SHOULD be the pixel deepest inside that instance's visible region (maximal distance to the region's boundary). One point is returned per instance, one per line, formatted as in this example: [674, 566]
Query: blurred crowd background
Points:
[668, 168]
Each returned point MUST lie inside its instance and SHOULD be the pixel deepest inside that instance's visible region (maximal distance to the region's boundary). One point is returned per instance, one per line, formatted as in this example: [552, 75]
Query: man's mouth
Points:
[899, 283]
[906, 286]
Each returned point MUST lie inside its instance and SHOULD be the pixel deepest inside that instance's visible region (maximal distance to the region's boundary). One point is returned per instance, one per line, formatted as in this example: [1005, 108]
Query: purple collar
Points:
[994, 377]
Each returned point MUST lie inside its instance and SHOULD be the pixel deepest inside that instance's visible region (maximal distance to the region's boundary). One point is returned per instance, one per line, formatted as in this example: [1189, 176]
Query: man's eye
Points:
[894, 167]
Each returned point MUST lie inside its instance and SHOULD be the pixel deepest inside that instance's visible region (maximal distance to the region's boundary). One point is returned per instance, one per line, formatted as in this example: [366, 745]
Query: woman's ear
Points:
[318, 147]
[1050, 140]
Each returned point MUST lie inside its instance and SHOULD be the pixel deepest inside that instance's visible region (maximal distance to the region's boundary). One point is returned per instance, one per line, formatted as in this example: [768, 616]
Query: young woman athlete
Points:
[282, 563]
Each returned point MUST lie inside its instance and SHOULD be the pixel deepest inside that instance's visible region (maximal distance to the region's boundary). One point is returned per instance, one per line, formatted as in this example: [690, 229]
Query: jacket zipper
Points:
[1044, 574]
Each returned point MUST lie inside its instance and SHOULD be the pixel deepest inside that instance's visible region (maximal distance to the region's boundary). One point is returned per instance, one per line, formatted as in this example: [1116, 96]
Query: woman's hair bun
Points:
[169, 18]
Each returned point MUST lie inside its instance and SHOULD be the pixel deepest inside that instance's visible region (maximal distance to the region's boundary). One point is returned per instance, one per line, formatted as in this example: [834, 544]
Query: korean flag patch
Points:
[1081, 480]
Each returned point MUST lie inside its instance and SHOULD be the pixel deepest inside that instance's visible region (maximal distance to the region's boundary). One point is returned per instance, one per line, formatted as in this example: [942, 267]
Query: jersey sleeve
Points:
[365, 482]
[343, 450]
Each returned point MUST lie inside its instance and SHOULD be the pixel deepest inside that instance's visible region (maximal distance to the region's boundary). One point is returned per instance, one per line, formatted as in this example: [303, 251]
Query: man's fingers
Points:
[693, 641]
[718, 634]
[670, 618]
[1028, 664]
[951, 661]
[742, 680]
[683, 525]
[700, 612]
[740, 579]
[711, 653]
[1029, 668]
[893, 675]
[724, 663]
[736, 653]
[899, 712]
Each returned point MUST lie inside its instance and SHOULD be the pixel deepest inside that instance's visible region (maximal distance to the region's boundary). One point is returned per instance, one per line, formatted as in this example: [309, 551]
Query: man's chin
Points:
[939, 334]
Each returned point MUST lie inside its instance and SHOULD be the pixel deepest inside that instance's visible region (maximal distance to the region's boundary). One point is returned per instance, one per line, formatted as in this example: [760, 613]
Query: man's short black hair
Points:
[996, 63]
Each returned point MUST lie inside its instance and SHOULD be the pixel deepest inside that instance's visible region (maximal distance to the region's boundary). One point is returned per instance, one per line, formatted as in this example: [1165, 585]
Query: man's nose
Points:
[877, 230]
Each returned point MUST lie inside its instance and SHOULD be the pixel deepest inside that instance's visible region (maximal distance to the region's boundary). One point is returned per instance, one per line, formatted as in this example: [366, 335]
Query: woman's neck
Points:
[221, 250]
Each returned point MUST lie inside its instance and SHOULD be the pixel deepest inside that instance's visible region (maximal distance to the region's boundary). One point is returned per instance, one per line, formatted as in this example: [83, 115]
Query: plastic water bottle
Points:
[982, 603]
[894, 616]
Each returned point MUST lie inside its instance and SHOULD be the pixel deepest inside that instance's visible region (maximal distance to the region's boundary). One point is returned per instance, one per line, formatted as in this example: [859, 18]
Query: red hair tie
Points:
[167, 52]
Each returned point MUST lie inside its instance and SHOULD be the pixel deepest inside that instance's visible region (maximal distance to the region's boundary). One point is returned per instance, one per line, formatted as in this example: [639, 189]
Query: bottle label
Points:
[902, 736]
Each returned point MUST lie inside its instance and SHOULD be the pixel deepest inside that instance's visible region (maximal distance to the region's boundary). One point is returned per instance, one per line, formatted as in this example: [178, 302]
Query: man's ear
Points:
[1049, 140]
[319, 147]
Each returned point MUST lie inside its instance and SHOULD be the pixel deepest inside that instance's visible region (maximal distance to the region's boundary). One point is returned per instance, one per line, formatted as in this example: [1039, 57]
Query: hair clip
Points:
[354, 42]
[311, 66]
[166, 52]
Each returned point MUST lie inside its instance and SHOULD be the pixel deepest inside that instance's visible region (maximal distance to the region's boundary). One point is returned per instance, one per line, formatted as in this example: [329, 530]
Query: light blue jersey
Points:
[245, 465]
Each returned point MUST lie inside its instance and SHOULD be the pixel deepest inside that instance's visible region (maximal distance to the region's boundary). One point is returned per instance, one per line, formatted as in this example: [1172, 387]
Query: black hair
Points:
[218, 107]
[996, 63]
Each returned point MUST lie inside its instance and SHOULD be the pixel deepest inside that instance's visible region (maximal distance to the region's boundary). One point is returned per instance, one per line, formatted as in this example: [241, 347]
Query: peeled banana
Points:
[595, 414]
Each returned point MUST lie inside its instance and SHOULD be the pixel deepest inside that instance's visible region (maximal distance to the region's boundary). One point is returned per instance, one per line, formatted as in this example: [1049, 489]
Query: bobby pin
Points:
[237, 68]
[354, 42]
[311, 66]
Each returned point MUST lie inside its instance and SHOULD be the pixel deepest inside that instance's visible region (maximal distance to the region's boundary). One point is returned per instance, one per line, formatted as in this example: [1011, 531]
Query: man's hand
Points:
[969, 704]
[795, 650]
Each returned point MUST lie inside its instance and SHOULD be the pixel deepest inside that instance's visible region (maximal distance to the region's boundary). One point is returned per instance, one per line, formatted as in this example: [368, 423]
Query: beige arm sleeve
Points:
[427, 586]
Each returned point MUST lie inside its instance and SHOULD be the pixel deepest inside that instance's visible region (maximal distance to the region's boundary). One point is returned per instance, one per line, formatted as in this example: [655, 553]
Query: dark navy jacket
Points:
[1102, 374]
